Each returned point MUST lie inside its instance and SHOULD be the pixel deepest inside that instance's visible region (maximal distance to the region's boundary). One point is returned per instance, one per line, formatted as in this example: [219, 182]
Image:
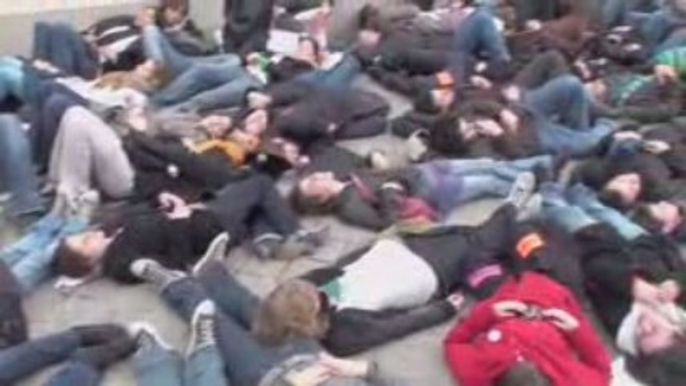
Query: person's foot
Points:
[153, 272]
[522, 189]
[148, 338]
[100, 334]
[86, 205]
[63, 204]
[266, 246]
[202, 327]
[416, 146]
[378, 160]
[302, 243]
[102, 346]
[216, 251]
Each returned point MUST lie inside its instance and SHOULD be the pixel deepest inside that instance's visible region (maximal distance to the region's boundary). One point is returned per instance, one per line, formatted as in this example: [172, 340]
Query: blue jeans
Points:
[579, 208]
[338, 78]
[478, 36]
[16, 167]
[76, 373]
[23, 360]
[11, 78]
[157, 366]
[247, 361]
[65, 48]
[451, 183]
[615, 12]
[657, 30]
[31, 257]
[561, 111]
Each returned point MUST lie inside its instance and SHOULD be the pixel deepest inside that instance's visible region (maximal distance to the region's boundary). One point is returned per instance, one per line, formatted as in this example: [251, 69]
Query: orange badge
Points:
[528, 244]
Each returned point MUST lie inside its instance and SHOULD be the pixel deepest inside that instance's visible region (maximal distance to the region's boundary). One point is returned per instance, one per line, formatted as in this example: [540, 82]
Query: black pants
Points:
[253, 203]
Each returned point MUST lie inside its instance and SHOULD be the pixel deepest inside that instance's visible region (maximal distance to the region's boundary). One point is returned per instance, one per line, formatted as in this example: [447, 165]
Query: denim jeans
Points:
[157, 366]
[31, 257]
[23, 360]
[338, 78]
[76, 373]
[16, 167]
[615, 12]
[579, 208]
[657, 29]
[65, 48]
[11, 78]
[561, 111]
[478, 35]
[451, 183]
[247, 361]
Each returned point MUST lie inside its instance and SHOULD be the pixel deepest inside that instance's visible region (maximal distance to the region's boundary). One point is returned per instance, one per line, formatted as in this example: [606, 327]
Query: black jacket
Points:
[247, 25]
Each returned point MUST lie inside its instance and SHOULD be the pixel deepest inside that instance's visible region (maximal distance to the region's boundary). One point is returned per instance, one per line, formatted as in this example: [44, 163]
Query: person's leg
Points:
[154, 365]
[340, 77]
[230, 296]
[587, 200]
[76, 373]
[16, 168]
[204, 364]
[20, 361]
[157, 48]
[556, 138]
[563, 99]
[67, 49]
[478, 34]
[558, 210]
[34, 268]
[257, 193]
[227, 95]
[198, 78]
[364, 128]
[11, 79]
[36, 238]
[87, 149]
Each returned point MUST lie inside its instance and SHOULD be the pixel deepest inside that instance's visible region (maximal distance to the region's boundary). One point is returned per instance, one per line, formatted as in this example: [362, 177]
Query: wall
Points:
[18, 16]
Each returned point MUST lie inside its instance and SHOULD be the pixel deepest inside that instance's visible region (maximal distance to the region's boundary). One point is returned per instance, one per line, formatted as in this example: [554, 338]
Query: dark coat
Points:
[247, 25]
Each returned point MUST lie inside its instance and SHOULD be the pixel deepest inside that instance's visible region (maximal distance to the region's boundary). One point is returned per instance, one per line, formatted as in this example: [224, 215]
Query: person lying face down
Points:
[179, 233]
[428, 191]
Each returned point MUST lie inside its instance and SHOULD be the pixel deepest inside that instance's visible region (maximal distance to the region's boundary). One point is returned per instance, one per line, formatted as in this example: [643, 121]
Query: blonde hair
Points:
[292, 310]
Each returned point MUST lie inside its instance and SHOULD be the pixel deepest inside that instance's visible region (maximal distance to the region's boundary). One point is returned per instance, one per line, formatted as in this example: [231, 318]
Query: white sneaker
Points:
[216, 251]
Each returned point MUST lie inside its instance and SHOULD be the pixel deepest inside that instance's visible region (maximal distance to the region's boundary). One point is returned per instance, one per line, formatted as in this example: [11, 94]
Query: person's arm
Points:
[288, 93]
[356, 331]
[356, 211]
[543, 68]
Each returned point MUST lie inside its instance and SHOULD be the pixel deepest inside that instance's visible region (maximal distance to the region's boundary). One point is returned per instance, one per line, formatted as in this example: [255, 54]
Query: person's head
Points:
[368, 38]
[309, 50]
[523, 374]
[434, 101]
[79, 255]
[626, 188]
[659, 329]
[661, 217]
[295, 309]
[173, 12]
[256, 122]
[314, 193]
[666, 368]
[217, 125]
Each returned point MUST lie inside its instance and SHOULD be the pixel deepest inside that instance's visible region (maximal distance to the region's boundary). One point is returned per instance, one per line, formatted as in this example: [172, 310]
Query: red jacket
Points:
[483, 347]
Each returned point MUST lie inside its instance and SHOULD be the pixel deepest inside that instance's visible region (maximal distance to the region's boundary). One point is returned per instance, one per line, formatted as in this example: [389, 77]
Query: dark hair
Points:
[613, 199]
[315, 44]
[523, 374]
[370, 18]
[424, 102]
[71, 263]
[666, 368]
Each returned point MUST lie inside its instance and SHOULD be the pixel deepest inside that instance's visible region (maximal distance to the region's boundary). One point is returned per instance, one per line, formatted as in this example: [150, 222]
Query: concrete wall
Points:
[18, 16]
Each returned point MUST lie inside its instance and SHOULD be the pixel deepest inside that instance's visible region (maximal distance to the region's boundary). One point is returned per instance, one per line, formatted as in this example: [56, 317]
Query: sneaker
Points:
[202, 327]
[153, 272]
[148, 338]
[416, 146]
[522, 188]
[302, 243]
[86, 205]
[63, 203]
[531, 209]
[378, 160]
[216, 252]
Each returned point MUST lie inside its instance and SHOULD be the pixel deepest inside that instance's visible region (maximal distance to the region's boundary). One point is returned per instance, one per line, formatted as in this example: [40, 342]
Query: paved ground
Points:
[417, 358]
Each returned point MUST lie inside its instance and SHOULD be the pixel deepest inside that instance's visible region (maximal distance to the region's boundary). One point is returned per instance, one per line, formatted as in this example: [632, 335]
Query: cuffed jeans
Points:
[62, 46]
[579, 208]
[16, 167]
[338, 78]
[30, 259]
[451, 183]
[478, 35]
[246, 360]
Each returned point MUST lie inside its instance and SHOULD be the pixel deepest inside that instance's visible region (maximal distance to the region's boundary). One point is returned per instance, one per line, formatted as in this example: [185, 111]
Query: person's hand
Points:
[656, 147]
[562, 319]
[257, 100]
[534, 25]
[313, 375]
[457, 300]
[344, 367]
[665, 74]
[512, 93]
[169, 201]
[510, 120]
[481, 82]
[509, 308]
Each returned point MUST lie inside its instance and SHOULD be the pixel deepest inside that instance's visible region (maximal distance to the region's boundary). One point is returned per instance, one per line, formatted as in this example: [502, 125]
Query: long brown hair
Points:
[292, 310]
